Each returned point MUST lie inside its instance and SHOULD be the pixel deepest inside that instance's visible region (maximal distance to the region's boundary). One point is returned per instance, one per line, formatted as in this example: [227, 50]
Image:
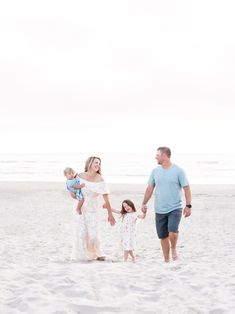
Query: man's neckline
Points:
[168, 168]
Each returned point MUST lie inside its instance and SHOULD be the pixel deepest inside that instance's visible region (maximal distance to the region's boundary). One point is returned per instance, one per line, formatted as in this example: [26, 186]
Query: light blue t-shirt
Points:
[168, 184]
[70, 183]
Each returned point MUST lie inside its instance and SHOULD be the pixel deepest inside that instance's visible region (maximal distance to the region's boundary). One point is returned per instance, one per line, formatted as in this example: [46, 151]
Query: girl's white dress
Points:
[128, 231]
[86, 240]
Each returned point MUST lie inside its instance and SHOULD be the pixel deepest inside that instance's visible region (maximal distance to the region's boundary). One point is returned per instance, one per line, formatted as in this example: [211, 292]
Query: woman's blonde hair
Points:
[89, 162]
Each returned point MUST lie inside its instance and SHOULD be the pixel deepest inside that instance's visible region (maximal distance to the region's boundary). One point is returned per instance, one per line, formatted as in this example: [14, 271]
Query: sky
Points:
[117, 76]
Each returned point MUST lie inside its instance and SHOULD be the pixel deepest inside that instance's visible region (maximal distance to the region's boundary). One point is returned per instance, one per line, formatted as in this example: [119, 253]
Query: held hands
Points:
[144, 208]
[82, 185]
[187, 212]
[111, 220]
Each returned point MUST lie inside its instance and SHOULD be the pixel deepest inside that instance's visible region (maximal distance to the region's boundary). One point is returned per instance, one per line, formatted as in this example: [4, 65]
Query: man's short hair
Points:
[165, 150]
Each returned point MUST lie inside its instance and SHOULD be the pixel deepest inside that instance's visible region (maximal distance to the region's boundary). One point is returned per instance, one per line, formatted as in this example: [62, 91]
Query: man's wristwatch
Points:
[188, 205]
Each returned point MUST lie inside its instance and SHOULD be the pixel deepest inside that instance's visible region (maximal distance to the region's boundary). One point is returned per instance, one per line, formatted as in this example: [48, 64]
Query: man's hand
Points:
[147, 195]
[144, 208]
[82, 185]
[187, 212]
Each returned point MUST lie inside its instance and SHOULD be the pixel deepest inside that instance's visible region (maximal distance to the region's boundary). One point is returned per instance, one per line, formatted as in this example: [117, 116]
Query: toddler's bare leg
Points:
[79, 206]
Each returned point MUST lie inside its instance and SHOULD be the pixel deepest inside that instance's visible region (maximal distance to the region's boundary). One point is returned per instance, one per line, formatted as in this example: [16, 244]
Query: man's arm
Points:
[188, 200]
[147, 195]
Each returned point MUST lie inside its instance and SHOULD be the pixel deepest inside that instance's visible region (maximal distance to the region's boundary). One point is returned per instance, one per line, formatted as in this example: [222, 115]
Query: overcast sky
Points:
[117, 76]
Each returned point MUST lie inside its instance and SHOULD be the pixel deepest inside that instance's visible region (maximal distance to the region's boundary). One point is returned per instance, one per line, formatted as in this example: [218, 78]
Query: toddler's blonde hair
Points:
[68, 170]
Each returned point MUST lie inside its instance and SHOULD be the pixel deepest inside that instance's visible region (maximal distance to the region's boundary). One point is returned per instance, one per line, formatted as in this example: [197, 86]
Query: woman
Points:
[86, 234]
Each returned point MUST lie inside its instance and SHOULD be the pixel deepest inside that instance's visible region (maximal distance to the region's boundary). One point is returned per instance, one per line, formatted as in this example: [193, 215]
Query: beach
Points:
[37, 276]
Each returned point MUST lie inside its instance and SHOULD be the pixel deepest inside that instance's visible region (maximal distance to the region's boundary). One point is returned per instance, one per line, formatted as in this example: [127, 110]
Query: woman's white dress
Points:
[86, 240]
[128, 231]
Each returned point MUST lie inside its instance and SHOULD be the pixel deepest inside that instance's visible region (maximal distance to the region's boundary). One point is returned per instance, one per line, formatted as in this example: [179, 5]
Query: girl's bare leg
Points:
[125, 256]
[132, 256]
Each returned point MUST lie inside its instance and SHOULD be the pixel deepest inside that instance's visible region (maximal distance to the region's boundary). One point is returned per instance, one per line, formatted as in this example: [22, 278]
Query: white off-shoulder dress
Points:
[86, 240]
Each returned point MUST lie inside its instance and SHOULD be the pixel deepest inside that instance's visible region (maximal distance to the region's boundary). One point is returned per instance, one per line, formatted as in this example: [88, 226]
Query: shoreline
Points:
[220, 189]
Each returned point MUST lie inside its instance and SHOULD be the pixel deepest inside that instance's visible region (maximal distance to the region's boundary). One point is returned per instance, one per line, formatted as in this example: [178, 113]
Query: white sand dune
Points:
[36, 275]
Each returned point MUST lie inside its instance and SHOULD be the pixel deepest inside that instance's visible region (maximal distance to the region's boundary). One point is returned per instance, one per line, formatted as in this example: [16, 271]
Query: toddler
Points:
[73, 185]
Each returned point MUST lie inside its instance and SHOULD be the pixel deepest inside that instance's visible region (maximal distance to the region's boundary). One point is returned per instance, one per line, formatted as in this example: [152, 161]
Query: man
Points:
[169, 180]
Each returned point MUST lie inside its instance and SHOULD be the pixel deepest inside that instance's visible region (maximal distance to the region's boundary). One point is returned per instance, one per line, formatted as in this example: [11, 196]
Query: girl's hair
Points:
[129, 203]
[89, 162]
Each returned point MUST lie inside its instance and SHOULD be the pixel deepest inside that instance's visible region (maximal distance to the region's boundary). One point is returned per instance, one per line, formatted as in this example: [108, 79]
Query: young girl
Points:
[129, 218]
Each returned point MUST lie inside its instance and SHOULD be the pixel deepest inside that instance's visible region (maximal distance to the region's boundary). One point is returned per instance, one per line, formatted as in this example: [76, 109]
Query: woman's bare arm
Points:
[108, 206]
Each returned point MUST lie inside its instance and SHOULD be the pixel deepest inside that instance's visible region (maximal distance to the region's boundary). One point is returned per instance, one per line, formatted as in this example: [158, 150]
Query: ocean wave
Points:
[207, 162]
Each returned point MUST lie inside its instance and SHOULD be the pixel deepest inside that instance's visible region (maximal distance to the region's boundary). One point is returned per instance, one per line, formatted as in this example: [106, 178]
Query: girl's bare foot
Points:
[101, 258]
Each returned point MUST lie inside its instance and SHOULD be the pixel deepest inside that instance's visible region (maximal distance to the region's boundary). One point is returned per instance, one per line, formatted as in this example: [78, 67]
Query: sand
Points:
[37, 276]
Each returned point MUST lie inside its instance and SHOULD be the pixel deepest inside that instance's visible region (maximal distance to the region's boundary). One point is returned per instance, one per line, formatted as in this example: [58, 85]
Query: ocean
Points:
[116, 168]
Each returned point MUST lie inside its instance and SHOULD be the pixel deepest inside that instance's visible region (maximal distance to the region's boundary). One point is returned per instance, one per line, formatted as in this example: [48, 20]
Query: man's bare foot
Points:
[174, 254]
[79, 212]
[166, 260]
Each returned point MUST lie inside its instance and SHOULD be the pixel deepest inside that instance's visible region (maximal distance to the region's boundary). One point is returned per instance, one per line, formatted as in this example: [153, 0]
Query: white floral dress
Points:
[86, 242]
[128, 231]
